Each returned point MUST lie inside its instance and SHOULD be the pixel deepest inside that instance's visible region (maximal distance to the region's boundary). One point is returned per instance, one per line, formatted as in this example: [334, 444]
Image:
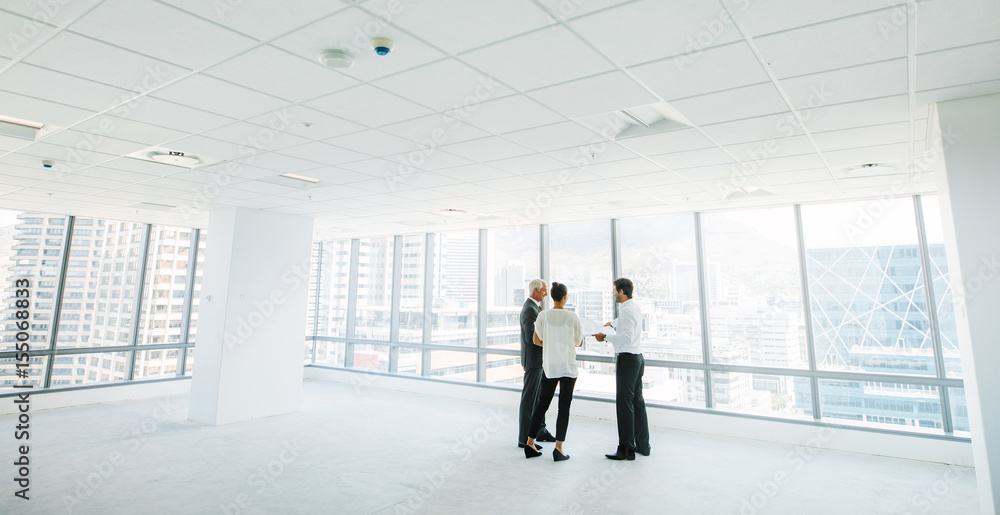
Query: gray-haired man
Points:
[531, 361]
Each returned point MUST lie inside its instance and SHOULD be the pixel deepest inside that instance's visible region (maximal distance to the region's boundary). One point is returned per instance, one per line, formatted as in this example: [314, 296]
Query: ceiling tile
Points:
[733, 104]
[946, 23]
[280, 163]
[486, 149]
[507, 114]
[664, 142]
[459, 25]
[641, 181]
[368, 105]
[894, 153]
[595, 95]
[625, 167]
[714, 69]
[323, 153]
[84, 142]
[754, 129]
[351, 30]
[862, 136]
[129, 130]
[657, 29]
[58, 87]
[567, 9]
[281, 74]
[161, 32]
[253, 137]
[862, 82]
[835, 44]
[305, 122]
[431, 159]
[171, 115]
[41, 111]
[528, 164]
[760, 151]
[858, 114]
[464, 85]
[21, 32]
[757, 18]
[220, 97]
[435, 129]
[261, 19]
[555, 136]
[691, 158]
[958, 66]
[374, 143]
[565, 57]
[84, 57]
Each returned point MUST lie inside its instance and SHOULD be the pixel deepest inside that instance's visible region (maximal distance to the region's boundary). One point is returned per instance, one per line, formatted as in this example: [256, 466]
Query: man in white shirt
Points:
[633, 427]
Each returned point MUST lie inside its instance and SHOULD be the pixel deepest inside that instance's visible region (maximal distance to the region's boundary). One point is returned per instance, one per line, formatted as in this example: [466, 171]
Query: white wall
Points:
[970, 208]
[54, 399]
[252, 314]
[842, 439]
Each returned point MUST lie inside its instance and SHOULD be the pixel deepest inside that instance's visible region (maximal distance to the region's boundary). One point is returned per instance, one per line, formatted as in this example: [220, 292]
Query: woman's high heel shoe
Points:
[558, 456]
[531, 453]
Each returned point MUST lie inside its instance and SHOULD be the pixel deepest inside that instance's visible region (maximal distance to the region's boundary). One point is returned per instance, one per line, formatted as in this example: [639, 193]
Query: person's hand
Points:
[599, 337]
[607, 324]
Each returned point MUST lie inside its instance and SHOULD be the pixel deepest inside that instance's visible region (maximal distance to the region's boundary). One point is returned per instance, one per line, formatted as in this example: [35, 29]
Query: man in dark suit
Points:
[531, 361]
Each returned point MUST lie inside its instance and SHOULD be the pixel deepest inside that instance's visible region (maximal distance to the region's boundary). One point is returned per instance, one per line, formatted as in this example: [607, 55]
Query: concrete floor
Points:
[377, 451]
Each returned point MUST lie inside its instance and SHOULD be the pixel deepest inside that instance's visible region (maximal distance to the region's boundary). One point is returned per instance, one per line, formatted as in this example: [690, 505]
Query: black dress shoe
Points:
[558, 456]
[531, 453]
[621, 454]
[547, 437]
[521, 445]
[644, 452]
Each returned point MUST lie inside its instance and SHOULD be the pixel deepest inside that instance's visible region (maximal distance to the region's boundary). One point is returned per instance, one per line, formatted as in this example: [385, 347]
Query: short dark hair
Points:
[558, 292]
[624, 285]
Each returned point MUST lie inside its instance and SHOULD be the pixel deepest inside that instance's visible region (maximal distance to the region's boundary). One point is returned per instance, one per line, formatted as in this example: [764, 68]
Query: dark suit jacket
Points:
[531, 354]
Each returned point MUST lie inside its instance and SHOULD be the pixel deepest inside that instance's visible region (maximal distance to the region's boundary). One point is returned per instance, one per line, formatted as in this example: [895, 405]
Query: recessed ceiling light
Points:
[300, 178]
[171, 157]
[336, 59]
[869, 169]
[19, 128]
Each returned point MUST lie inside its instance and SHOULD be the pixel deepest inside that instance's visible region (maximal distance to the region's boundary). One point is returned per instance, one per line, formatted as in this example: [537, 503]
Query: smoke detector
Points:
[172, 157]
[336, 59]
[382, 46]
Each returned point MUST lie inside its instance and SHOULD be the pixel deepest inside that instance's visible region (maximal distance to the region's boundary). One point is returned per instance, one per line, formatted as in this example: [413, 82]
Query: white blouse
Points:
[560, 332]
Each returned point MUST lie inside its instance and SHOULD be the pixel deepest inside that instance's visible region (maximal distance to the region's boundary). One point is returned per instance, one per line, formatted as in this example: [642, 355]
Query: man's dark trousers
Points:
[633, 427]
[531, 360]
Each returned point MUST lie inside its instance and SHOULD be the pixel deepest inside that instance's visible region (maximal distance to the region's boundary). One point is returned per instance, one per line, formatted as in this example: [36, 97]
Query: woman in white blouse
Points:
[558, 333]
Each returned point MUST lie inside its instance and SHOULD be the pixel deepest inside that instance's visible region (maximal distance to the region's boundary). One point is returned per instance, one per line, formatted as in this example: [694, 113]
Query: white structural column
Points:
[970, 209]
[251, 321]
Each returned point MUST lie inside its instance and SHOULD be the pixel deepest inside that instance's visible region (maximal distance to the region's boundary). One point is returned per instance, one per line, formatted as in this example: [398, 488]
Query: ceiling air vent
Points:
[650, 119]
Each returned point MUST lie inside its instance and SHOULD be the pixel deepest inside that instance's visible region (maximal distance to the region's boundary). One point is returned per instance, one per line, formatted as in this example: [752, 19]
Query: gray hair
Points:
[535, 284]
